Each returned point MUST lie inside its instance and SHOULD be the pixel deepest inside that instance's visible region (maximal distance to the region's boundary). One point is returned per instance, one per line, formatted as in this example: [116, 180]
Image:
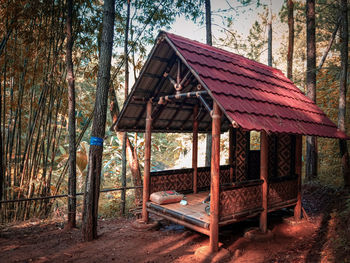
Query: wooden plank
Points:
[194, 208]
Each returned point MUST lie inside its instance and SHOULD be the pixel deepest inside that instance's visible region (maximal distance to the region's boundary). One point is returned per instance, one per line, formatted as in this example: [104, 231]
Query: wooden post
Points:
[147, 168]
[298, 165]
[195, 148]
[264, 147]
[215, 179]
[231, 152]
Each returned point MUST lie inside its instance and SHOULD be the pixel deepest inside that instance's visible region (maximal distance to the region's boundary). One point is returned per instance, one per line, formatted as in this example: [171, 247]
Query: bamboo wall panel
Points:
[179, 180]
[204, 176]
[273, 139]
[283, 191]
[242, 151]
[284, 155]
[238, 200]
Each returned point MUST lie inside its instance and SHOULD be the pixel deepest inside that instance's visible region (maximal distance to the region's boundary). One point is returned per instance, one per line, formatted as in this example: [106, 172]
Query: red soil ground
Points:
[37, 241]
[119, 242]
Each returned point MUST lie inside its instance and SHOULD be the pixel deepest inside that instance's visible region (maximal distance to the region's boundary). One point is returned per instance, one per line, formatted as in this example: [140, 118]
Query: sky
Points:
[243, 18]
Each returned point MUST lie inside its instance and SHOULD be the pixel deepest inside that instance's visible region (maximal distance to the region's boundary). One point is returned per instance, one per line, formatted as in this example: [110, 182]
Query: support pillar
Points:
[215, 179]
[264, 147]
[298, 166]
[231, 152]
[147, 167]
[195, 148]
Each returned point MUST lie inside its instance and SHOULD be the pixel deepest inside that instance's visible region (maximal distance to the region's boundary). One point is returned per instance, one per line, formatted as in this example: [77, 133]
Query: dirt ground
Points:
[119, 242]
[38, 241]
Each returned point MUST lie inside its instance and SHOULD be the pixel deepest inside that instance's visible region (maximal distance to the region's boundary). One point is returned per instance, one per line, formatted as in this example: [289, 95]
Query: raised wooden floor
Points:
[193, 213]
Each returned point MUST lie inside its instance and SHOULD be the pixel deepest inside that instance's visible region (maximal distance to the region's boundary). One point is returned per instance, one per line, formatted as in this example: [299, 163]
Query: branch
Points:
[329, 44]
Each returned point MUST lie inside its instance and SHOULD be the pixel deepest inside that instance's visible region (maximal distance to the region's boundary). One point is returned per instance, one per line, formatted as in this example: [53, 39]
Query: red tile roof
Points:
[255, 96]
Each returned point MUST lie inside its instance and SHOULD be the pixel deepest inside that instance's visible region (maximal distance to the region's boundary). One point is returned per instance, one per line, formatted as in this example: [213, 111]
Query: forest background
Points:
[34, 91]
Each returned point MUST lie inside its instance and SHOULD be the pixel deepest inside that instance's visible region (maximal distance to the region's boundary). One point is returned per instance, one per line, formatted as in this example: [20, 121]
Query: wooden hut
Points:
[187, 86]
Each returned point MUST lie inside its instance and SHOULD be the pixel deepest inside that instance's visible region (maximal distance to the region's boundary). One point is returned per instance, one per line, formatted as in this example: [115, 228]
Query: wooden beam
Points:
[192, 94]
[298, 166]
[231, 151]
[206, 105]
[264, 155]
[195, 148]
[215, 179]
[147, 167]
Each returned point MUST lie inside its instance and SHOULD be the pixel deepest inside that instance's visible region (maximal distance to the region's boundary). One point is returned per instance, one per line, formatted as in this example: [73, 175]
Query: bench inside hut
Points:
[189, 87]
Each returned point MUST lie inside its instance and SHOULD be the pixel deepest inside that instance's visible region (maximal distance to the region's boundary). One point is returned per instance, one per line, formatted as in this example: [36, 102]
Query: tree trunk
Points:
[126, 91]
[209, 42]
[311, 142]
[325, 54]
[1, 150]
[290, 39]
[71, 121]
[344, 153]
[269, 39]
[132, 157]
[92, 186]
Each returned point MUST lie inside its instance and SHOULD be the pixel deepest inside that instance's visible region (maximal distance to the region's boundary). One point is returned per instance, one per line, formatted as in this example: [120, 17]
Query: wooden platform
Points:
[192, 213]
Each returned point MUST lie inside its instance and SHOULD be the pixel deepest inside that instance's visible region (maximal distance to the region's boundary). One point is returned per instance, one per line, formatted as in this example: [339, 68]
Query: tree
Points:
[290, 5]
[209, 42]
[126, 91]
[92, 186]
[269, 41]
[311, 141]
[344, 153]
[71, 120]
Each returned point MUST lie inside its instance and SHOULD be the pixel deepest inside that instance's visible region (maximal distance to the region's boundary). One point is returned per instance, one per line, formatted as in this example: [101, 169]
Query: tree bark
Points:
[269, 39]
[1, 150]
[126, 91]
[344, 153]
[311, 141]
[71, 120]
[92, 186]
[290, 39]
[209, 42]
[325, 54]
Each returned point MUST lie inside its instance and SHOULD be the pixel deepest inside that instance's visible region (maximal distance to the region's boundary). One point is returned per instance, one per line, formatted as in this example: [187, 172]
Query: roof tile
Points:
[256, 96]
